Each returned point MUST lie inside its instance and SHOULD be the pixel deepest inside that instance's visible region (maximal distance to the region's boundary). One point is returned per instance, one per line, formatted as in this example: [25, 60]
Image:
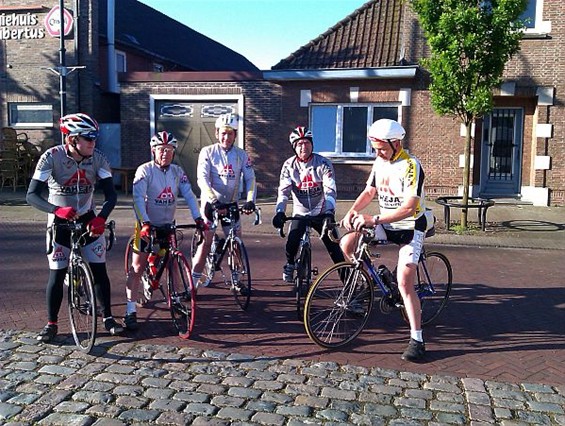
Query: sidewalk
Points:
[129, 381]
[508, 224]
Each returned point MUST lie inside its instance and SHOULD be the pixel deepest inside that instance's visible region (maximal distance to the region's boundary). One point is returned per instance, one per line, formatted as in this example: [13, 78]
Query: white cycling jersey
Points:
[71, 183]
[311, 183]
[155, 192]
[397, 180]
[219, 174]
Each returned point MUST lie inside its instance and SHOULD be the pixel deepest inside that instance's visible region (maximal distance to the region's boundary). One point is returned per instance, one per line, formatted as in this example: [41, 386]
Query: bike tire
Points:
[302, 279]
[338, 305]
[240, 273]
[82, 306]
[181, 297]
[433, 285]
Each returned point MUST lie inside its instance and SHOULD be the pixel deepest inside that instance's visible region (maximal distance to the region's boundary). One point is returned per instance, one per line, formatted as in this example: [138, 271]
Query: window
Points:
[533, 15]
[30, 115]
[341, 130]
[121, 63]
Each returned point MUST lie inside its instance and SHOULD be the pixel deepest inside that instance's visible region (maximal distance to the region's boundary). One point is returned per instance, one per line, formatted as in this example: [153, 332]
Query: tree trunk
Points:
[466, 174]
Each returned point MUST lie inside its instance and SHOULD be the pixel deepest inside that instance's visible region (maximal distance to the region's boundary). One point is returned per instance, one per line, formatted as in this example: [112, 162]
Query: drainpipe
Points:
[112, 74]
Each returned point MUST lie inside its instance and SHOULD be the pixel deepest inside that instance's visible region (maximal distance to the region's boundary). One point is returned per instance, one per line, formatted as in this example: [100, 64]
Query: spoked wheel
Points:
[144, 297]
[240, 278]
[209, 267]
[181, 295]
[434, 280]
[338, 305]
[82, 307]
[302, 280]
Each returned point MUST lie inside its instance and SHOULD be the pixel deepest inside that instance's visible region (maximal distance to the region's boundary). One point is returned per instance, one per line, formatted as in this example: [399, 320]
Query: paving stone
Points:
[8, 410]
[137, 415]
[65, 419]
[268, 419]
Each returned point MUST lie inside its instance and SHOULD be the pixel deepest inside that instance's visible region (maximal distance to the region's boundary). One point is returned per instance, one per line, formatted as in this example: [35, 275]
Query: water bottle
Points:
[388, 278]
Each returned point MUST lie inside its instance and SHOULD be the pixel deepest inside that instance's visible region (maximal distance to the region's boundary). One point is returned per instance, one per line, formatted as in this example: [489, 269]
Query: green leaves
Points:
[470, 43]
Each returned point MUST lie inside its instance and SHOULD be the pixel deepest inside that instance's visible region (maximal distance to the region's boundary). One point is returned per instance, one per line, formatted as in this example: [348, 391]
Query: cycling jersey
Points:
[219, 174]
[155, 192]
[70, 183]
[396, 181]
[311, 183]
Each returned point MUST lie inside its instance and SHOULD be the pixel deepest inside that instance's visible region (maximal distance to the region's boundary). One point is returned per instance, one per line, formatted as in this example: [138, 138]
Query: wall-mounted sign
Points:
[53, 22]
[19, 26]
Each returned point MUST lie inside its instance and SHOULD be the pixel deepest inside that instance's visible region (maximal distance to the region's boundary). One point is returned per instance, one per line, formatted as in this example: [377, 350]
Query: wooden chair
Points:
[9, 170]
[16, 162]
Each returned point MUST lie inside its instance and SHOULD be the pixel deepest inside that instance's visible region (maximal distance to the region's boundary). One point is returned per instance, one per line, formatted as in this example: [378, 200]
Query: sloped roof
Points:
[370, 37]
[148, 30]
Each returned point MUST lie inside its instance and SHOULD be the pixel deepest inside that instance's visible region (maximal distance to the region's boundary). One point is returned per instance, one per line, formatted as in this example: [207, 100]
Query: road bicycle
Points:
[167, 264]
[340, 301]
[81, 299]
[239, 278]
[303, 261]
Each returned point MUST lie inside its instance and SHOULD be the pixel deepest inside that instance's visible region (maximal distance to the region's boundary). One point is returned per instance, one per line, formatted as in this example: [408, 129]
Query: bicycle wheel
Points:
[302, 279]
[238, 263]
[338, 305]
[82, 306]
[181, 297]
[434, 280]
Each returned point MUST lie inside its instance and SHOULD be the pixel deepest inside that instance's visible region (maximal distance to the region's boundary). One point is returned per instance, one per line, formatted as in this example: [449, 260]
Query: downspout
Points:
[112, 72]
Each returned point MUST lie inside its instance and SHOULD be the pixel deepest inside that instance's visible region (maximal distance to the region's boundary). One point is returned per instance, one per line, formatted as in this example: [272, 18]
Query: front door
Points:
[501, 155]
[192, 123]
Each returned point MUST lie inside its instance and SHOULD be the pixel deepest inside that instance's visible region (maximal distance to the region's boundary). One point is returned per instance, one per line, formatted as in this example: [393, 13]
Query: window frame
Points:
[15, 108]
[338, 152]
[540, 26]
[121, 54]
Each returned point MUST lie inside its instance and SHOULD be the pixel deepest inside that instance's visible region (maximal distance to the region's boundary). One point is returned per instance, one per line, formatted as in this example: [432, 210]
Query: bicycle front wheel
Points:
[82, 306]
[303, 279]
[433, 285]
[238, 263]
[181, 296]
[338, 305]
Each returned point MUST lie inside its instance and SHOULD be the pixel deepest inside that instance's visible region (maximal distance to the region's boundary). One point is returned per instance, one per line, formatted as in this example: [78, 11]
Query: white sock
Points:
[130, 307]
[417, 335]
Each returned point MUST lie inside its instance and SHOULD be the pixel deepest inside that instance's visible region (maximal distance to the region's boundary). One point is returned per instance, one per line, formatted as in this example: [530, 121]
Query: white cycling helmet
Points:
[163, 138]
[300, 132]
[386, 130]
[79, 124]
[227, 120]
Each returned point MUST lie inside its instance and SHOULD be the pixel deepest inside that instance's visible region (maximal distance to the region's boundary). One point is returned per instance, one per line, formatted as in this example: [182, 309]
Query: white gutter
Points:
[342, 74]
[112, 73]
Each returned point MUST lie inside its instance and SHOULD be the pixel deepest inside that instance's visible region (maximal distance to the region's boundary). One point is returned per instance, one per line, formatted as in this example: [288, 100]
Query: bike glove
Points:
[278, 220]
[96, 226]
[145, 232]
[249, 206]
[201, 225]
[67, 213]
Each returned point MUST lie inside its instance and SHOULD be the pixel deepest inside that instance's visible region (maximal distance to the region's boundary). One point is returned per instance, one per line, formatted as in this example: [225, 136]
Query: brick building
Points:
[363, 68]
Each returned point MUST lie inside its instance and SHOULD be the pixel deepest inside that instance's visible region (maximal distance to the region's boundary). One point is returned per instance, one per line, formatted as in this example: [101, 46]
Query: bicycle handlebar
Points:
[309, 219]
[231, 211]
[75, 226]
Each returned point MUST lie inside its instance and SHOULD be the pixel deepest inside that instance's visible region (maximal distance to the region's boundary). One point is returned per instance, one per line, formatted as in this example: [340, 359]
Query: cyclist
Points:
[70, 172]
[309, 178]
[397, 179]
[156, 186]
[221, 167]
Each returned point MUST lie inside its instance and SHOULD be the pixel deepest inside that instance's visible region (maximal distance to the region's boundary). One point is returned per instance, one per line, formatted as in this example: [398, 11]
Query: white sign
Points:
[53, 22]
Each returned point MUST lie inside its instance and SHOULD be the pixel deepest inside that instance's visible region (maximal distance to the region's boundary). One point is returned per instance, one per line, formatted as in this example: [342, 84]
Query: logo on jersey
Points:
[58, 255]
[227, 172]
[78, 182]
[387, 198]
[166, 197]
[98, 249]
[308, 186]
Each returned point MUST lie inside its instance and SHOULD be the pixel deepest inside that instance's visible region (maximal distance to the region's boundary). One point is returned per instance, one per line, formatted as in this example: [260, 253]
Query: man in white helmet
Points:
[397, 179]
[221, 167]
[69, 173]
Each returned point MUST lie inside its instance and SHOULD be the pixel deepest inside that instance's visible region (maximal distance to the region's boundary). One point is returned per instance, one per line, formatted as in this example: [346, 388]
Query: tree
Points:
[470, 43]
